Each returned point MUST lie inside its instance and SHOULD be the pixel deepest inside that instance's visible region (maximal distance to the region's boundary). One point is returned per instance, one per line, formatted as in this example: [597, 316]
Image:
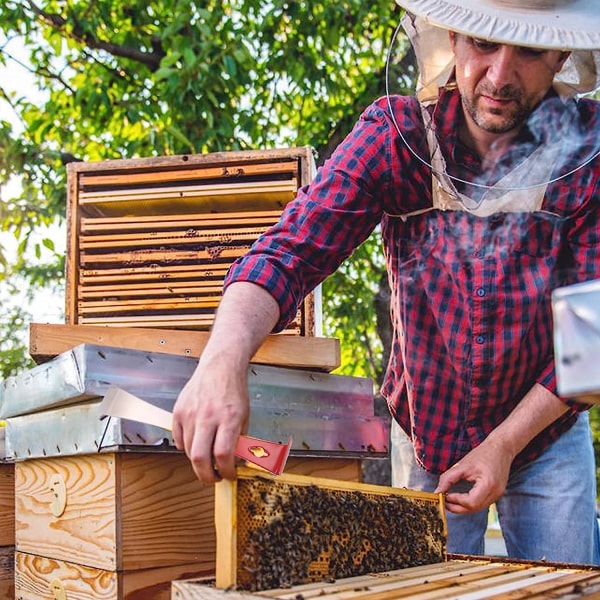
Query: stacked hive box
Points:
[7, 520]
[150, 240]
[108, 509]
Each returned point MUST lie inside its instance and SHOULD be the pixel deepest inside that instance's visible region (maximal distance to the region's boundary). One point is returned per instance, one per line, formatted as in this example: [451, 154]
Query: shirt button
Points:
[481, 292]
[480, 339]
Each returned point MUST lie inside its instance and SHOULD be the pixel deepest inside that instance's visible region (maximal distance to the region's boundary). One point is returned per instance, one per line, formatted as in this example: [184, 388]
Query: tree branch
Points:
[150, 59]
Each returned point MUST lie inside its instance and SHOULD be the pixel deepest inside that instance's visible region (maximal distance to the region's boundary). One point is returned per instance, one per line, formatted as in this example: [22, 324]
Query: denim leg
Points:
[466, 533]
[549, 508]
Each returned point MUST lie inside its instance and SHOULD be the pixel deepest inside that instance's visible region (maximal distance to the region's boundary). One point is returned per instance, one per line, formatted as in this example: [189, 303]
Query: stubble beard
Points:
[497, 120]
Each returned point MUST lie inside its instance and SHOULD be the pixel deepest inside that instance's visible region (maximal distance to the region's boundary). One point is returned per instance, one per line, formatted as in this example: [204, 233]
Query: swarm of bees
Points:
[288, 535]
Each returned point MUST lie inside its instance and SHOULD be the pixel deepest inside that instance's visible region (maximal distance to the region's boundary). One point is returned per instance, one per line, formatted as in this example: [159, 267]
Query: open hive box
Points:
[458, 578]
[151, 239]
[275, 532]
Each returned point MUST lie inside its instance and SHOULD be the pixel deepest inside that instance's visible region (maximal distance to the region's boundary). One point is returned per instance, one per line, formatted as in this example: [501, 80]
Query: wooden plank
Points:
[72, 254]
[474, 586]
[35, 574]
[154, 192]
[192, 201]
[389, 581]
[167, 515]
[7, 572]
[231, 171]
[196, 321]
[574, 584]
[148, 290]
[49, 340]
[124, 511]
[188, 161]
[253, 201]
[94, 225]
[164, 256]
[178, 238]
[149, 305]
[348, 469]
[155, 272]
[7, 504]
[226, 525]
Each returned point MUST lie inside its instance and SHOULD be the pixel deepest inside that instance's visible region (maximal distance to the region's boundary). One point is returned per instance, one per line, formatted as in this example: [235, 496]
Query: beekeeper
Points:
[486, 186]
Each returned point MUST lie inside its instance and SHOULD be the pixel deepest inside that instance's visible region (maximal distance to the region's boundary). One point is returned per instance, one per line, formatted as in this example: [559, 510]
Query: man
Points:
[486, 188]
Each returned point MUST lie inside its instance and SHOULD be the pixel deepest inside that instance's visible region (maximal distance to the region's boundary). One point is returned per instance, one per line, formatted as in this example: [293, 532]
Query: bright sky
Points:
[15, 78]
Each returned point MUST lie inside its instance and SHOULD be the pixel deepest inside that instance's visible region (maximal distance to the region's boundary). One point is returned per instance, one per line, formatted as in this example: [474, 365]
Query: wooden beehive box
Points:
[459, 578]
[109, 521]
[7, 529]
[275, 532]
[150, 240]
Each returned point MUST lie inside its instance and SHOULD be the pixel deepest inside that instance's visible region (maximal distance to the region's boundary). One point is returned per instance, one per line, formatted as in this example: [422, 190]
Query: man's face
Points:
[500, 84]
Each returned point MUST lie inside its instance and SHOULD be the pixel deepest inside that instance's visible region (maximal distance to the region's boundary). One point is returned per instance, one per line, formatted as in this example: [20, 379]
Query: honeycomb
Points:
[289, 534]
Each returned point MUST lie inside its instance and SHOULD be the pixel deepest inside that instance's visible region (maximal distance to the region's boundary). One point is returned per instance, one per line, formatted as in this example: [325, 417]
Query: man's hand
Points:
[212, 409]
[210, 414]
[487, 467]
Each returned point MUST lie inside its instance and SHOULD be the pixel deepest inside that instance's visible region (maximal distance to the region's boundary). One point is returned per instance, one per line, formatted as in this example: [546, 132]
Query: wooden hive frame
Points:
[280, 531]
[458, 578]
[150, 240]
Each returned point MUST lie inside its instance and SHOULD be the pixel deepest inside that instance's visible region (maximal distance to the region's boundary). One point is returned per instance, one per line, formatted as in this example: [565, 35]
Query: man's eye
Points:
[484, 45]
[533, 52]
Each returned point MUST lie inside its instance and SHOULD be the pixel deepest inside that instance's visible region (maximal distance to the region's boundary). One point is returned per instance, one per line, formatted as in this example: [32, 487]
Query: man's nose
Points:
[503, 67]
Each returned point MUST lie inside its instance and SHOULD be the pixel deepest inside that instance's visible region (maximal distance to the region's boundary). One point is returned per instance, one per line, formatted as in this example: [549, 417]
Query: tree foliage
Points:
[164, 77]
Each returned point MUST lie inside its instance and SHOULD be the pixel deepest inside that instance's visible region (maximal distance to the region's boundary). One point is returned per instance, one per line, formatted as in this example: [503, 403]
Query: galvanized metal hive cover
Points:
[53, 409]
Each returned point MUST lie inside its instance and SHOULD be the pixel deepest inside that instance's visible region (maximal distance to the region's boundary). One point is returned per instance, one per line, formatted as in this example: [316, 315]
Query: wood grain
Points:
[7, 504]
[34, 574]
[467, 579]
[123, 511]
[48, 340]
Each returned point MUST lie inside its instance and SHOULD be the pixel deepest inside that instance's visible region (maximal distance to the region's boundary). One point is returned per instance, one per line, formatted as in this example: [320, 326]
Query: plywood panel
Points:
[41, 578]
[115, 511]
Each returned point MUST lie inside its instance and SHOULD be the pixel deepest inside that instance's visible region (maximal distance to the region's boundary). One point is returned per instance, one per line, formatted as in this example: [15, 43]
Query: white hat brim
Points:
[553, 24]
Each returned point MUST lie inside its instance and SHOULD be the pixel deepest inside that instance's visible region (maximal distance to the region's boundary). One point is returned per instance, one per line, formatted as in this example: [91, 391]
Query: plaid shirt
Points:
[470, 295]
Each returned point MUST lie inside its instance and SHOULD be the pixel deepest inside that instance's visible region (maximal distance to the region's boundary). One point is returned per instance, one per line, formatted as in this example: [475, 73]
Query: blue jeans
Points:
[548, 511]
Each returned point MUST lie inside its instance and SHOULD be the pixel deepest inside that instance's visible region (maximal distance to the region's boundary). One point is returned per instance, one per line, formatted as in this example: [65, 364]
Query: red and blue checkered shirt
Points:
[470, 299]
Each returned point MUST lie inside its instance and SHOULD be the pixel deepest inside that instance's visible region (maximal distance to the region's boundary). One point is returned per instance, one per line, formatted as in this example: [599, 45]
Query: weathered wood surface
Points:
[7, 572]
[41, 578]
[119, 511]
[7, 504]
[49, 340]
[473, 579]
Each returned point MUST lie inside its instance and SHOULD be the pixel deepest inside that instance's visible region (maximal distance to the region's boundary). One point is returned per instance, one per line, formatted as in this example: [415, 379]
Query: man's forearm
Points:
[538, 409]
[246, 315]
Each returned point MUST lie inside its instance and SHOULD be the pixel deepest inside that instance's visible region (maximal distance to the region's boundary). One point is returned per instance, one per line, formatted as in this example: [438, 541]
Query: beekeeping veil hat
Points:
[565, 25]
[572, 25]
